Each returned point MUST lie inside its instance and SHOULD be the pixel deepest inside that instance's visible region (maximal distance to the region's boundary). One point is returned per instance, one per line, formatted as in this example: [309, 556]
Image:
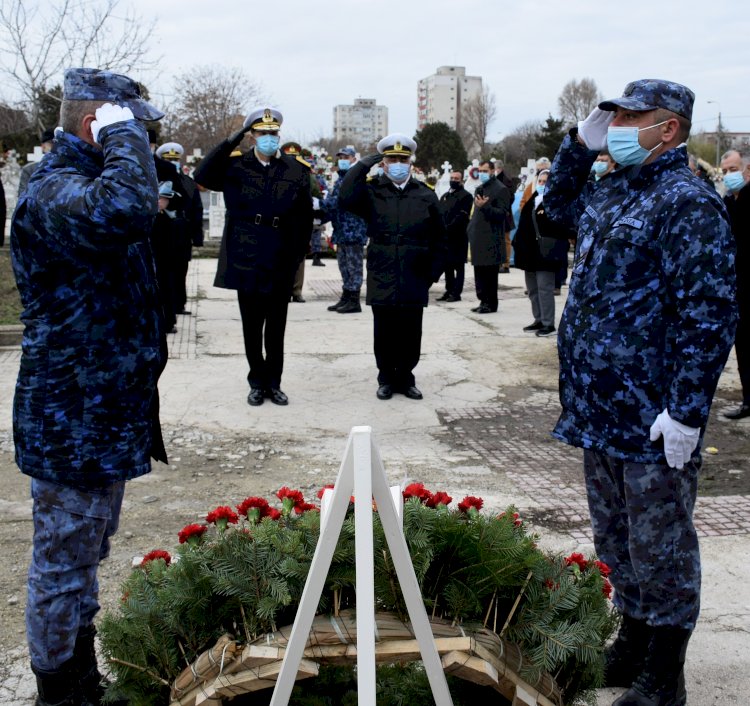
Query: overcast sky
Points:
[309, 56]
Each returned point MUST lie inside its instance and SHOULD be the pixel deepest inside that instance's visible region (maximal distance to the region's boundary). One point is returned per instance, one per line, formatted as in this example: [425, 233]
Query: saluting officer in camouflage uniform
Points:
[86, 405]
[647, 328]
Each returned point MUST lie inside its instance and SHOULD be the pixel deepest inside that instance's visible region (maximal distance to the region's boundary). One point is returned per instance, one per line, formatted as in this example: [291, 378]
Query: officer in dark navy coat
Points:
[267, 231]
[86, 405]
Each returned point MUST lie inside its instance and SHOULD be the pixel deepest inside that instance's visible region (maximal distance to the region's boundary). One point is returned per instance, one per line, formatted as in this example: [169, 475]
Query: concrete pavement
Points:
[478, 372]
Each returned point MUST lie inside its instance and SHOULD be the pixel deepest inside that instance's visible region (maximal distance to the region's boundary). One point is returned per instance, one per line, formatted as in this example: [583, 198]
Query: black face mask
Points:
[455, 185]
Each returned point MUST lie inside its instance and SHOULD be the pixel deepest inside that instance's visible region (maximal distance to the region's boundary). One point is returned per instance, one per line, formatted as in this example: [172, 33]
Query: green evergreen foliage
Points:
[437, 142]
[550, 137]
[247, 580]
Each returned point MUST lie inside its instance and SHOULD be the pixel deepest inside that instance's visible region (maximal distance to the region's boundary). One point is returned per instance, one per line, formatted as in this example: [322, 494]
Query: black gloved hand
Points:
[235, 139]
[372, 159]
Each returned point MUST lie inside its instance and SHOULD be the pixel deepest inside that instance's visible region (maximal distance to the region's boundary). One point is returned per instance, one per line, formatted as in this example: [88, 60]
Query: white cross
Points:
[446, 166]
[36, 156]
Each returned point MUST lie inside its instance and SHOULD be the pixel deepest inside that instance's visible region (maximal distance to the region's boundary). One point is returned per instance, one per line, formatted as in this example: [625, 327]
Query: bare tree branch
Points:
[211, 104]
[476, 115]
[578, 99]
[37, 42]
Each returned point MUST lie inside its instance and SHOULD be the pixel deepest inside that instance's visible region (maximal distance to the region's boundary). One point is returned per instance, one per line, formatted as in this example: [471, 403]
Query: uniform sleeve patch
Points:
[591, 212]
[632, 222]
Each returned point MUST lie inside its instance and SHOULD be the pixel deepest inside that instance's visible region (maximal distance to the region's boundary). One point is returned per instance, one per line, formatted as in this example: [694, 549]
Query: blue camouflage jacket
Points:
[85, 408]
[651, 313]
[347, 228]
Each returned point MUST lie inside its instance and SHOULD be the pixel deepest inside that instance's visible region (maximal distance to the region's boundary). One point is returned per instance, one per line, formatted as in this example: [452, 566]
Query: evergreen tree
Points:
[550, 137]
[437, 142]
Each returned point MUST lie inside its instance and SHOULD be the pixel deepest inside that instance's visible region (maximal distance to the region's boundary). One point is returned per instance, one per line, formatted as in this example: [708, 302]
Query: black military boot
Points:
[340, 302]
[58, 687]
[351, 305]
[89, 677]
[317, 261]
[662, 680]
[625, 657]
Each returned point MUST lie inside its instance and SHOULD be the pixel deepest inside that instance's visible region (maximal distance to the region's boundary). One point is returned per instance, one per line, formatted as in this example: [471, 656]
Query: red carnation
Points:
[254, 508]
[304, 507]
[290, 499]
[578, 559]
[222, 516]
[156, 554]
[471, 503]
[417, 490]
[192, 534]
[607, 589]
[273, 513]
[604, 570]
[517, 521]
[439, 498]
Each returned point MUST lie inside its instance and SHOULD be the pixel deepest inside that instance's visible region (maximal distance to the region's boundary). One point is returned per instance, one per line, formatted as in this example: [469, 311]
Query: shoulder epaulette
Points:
[236, 153]
[301, 160]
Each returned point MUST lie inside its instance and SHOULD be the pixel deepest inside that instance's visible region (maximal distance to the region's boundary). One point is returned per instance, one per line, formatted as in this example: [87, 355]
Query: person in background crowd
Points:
[349, 236]
[603, 165]
[405, 255]
[648, 325]
[188, 220]
[455, 205]
[47, 140]
[85, 412]
[541, 164]
[736, 170]
[541, 248]
[164, 240]
[266, 236]
[486, 231]
[510, 223]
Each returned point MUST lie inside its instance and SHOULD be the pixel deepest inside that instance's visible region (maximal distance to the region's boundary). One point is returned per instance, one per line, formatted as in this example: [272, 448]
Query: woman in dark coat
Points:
[541, 249]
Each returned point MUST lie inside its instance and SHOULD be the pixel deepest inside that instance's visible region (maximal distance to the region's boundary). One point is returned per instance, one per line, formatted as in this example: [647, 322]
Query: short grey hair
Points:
[73, 112]
[745, 160]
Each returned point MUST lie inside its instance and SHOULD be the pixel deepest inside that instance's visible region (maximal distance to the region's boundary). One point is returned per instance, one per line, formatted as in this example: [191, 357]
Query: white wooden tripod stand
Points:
[363, 474]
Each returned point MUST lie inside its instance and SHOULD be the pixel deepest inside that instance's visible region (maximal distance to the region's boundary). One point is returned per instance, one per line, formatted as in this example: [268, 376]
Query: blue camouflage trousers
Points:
[642, 518]
[350, 258]
[72, 528]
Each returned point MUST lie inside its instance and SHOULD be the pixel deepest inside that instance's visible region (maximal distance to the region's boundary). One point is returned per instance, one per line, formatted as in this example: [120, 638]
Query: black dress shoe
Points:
[443, 298]
[534, 327]
[484, 309]
[255, 397]
[741, 413]
[546, 331]
[298, 298]
[277, 396]
[477, 308]
[413, 393]
[185, 312]
[453, 298]
[385, 392]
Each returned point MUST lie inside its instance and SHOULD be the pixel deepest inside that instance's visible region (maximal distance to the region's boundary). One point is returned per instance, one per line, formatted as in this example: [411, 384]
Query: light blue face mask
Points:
[344, 164]
[734, 181]
[484, 177]
[623, 145]
[540, 189]
[398, 172]
[267, 144]
[599, 168]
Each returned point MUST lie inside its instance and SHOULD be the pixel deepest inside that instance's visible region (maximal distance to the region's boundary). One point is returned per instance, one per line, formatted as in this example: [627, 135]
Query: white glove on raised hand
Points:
[593, 130]
[109, 114]
[679, 440]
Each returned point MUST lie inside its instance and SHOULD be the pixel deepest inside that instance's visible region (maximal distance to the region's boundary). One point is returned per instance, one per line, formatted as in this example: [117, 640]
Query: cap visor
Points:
[627, 103]
[144, 111]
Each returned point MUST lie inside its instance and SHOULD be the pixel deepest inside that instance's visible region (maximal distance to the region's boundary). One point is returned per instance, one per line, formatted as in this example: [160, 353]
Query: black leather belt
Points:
[261, 220]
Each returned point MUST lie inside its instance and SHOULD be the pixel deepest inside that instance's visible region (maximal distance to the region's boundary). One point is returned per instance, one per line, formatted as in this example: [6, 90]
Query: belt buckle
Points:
[258, 219]
[275, 222]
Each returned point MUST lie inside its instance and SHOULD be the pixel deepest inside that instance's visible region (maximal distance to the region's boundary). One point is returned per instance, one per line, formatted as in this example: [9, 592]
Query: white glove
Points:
[316, 203]
[109, 114]
[679, 440]
[593, 130]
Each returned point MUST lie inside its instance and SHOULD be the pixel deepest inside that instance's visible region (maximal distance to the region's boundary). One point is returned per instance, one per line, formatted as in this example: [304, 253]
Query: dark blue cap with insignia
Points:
[347, 151]
[652, 93]
[99, 85]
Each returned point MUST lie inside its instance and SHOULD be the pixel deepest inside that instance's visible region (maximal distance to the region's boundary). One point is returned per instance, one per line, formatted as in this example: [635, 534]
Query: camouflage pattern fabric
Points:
[641, 515]
[348, 229]
[350, 259]
[92, 347]
[72, 529]
[651, 312]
